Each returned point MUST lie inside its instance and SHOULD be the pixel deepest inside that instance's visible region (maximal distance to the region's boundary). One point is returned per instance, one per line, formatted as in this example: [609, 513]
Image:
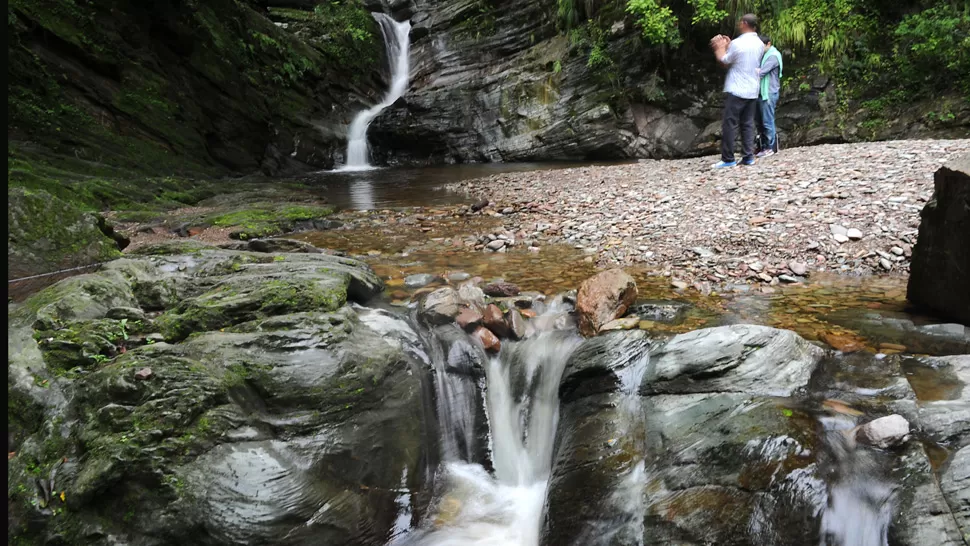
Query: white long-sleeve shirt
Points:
[743, 58]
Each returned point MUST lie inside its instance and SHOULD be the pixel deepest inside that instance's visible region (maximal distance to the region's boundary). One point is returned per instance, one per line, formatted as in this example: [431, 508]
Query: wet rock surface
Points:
[229, 395]
[749, 448]
[47, 234]
[239, 433]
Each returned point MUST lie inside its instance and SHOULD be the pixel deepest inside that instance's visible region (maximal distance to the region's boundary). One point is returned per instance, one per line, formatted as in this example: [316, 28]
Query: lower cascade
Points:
[397, 42]
[505, 507]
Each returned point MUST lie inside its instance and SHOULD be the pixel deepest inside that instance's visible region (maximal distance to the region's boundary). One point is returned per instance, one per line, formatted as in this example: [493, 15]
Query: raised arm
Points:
[721, 45]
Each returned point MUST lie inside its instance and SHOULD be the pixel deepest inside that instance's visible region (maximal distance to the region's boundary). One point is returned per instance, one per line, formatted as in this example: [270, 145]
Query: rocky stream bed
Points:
[204, 395]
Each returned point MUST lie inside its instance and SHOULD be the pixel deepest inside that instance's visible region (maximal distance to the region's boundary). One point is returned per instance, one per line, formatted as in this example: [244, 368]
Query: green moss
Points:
[342, 31]
[81, 343]
[265, 220]
[228, 305]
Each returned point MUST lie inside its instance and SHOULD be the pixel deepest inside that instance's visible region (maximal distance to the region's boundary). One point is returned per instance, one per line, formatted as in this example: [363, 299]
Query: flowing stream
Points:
[504, 508]
[398, 45]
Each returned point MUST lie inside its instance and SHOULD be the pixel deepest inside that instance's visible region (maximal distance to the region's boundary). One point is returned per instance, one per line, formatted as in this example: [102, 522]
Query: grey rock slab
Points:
[750, 359]
[955, 484]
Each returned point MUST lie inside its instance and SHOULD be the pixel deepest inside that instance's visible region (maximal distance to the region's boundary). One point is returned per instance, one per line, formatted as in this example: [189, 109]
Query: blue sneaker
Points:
[723, 164]
[748, 162]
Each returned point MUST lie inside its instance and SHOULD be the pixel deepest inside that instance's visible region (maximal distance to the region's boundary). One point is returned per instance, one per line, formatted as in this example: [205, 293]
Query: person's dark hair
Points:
[751, 20]
[765, 39]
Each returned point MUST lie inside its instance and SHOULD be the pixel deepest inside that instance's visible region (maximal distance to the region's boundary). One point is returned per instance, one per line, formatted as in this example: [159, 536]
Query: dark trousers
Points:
[738, 111]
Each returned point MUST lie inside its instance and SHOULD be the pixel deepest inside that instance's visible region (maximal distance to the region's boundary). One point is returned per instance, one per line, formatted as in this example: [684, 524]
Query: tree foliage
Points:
[918, 45]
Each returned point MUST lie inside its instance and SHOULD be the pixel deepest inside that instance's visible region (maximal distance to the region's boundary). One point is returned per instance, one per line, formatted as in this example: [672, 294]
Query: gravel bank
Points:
[849, 208]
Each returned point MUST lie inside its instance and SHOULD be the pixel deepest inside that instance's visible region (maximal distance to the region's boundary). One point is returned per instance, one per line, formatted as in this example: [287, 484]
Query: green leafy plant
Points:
[657, 23]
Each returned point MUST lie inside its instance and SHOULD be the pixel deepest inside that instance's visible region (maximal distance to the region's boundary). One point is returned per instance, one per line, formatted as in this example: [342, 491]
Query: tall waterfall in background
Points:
[397, 41]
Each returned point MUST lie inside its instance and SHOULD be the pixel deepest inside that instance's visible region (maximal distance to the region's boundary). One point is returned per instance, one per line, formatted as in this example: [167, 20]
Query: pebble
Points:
[885, 264]
[678, 214]
[496, 245]
[144, 374]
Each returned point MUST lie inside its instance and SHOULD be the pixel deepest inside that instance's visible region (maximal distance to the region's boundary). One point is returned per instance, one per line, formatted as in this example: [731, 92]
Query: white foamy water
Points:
[505, 508]
[397, 42]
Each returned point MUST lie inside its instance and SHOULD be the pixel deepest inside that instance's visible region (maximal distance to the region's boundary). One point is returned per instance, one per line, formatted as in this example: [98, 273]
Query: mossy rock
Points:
[46, 234]
[236, 302]
[255, 223]
[81, 343]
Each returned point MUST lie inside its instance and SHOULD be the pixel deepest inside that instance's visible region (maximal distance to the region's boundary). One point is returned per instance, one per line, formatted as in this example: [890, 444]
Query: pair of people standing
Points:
[753, 82]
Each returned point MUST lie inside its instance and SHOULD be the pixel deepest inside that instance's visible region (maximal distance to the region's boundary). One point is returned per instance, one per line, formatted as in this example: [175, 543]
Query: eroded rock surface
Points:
[285, 416]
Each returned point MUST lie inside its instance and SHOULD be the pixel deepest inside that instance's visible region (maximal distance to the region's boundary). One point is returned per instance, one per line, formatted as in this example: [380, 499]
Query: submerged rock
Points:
[602, 298]
[501, 290]
[940, 270]
[419, 281]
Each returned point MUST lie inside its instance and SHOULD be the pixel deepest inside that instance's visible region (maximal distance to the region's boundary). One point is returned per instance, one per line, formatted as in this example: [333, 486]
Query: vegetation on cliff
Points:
[895, 51]
[181, 87]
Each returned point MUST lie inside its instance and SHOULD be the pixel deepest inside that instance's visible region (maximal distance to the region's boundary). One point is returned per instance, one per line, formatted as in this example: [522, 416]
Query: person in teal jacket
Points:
[771, 67]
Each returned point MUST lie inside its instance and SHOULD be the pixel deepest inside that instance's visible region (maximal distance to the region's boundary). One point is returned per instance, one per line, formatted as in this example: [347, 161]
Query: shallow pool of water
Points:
[419, 186]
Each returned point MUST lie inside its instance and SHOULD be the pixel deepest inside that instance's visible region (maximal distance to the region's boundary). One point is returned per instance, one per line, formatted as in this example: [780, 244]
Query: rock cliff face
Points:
[940, 273]
[179, 85]
[271, 85]
[496, 80]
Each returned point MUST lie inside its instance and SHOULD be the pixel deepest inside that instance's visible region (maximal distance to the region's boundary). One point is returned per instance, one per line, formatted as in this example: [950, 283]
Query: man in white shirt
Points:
[742, 56]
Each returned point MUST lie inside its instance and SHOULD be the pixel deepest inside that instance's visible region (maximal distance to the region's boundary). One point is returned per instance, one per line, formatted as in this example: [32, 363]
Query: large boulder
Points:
[940, 271]
[728, 436]
[602, 298]
[288, 420]
[667, 442]
[46, 234]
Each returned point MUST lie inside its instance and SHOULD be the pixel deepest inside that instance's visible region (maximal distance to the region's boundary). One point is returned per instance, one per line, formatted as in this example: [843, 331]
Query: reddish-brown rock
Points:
[144, 374]
[469, 319]
[488, 340]
[602, 298]
[494, 320]
[501, 290]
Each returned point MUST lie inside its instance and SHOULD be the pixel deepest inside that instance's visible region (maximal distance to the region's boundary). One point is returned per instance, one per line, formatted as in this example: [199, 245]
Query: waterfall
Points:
[861, 500]
[505, 509]
[397, 41]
